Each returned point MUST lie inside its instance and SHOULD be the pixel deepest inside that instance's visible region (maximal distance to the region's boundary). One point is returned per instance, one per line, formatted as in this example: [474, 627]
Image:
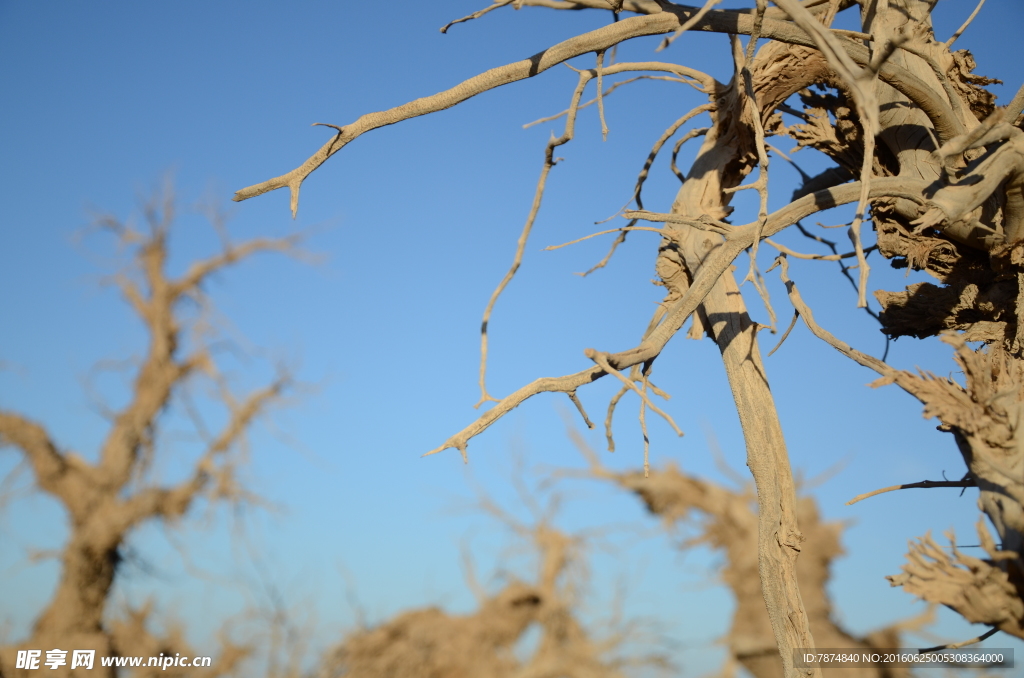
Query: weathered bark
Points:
[779, 541]
[970, 240]
[725, 157]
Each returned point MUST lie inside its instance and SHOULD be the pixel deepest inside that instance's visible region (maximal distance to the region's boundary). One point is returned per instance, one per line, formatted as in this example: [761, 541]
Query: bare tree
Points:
[430, 643]
[726, 520]
[916, 138]
[107, 499]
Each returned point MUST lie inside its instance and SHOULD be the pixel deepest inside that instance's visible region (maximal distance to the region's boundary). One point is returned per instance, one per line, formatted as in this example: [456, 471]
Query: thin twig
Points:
[693, 133]
[690, 23]
[659, 231]
[926, 484]
[702, 223]
[607, 257]
[815, 257]
[643, 427]
[602, 360]
[805, 312]
[665, 136]
[955, 646]
[608, 417]
[611, 88]
[967, 23]
[579, 406]
[845, 270]
[792, 324]
[538, 196]
[476, 15]
[600, 94]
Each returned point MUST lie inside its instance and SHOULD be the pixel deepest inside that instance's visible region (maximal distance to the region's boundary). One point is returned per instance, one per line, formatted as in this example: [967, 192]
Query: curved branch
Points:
[937, 110]
[600, 39]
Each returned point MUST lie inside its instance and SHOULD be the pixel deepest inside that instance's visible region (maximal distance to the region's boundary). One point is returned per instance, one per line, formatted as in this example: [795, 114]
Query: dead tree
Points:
[430, 643]
[916, 139]
[725, 520]
[107, 498]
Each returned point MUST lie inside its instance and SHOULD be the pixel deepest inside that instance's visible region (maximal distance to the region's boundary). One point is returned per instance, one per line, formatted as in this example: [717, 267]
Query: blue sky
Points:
[415, 223]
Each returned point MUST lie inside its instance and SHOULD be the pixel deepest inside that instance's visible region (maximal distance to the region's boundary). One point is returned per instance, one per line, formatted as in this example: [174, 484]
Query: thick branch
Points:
[635, 6]
[151, 392]
[199, 271]
[50, 466]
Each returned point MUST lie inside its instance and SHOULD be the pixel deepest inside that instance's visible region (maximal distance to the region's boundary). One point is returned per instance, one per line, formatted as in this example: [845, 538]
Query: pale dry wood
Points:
[608, 90]
[720, 166]
[635, 6]
[602, 360]
[1015, 107]
[946, 124]
[980, 591]
[963, 27]
[860, 81]
[549, 162]
[688, 24]
[815, 257]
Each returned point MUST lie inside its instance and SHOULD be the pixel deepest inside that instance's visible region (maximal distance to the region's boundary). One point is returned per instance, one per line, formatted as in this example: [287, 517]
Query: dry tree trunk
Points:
[728, 154]
[722, 162]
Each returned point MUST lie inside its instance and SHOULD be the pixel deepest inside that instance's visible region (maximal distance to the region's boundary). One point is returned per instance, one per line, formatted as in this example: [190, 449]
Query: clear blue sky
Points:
[417, 223]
